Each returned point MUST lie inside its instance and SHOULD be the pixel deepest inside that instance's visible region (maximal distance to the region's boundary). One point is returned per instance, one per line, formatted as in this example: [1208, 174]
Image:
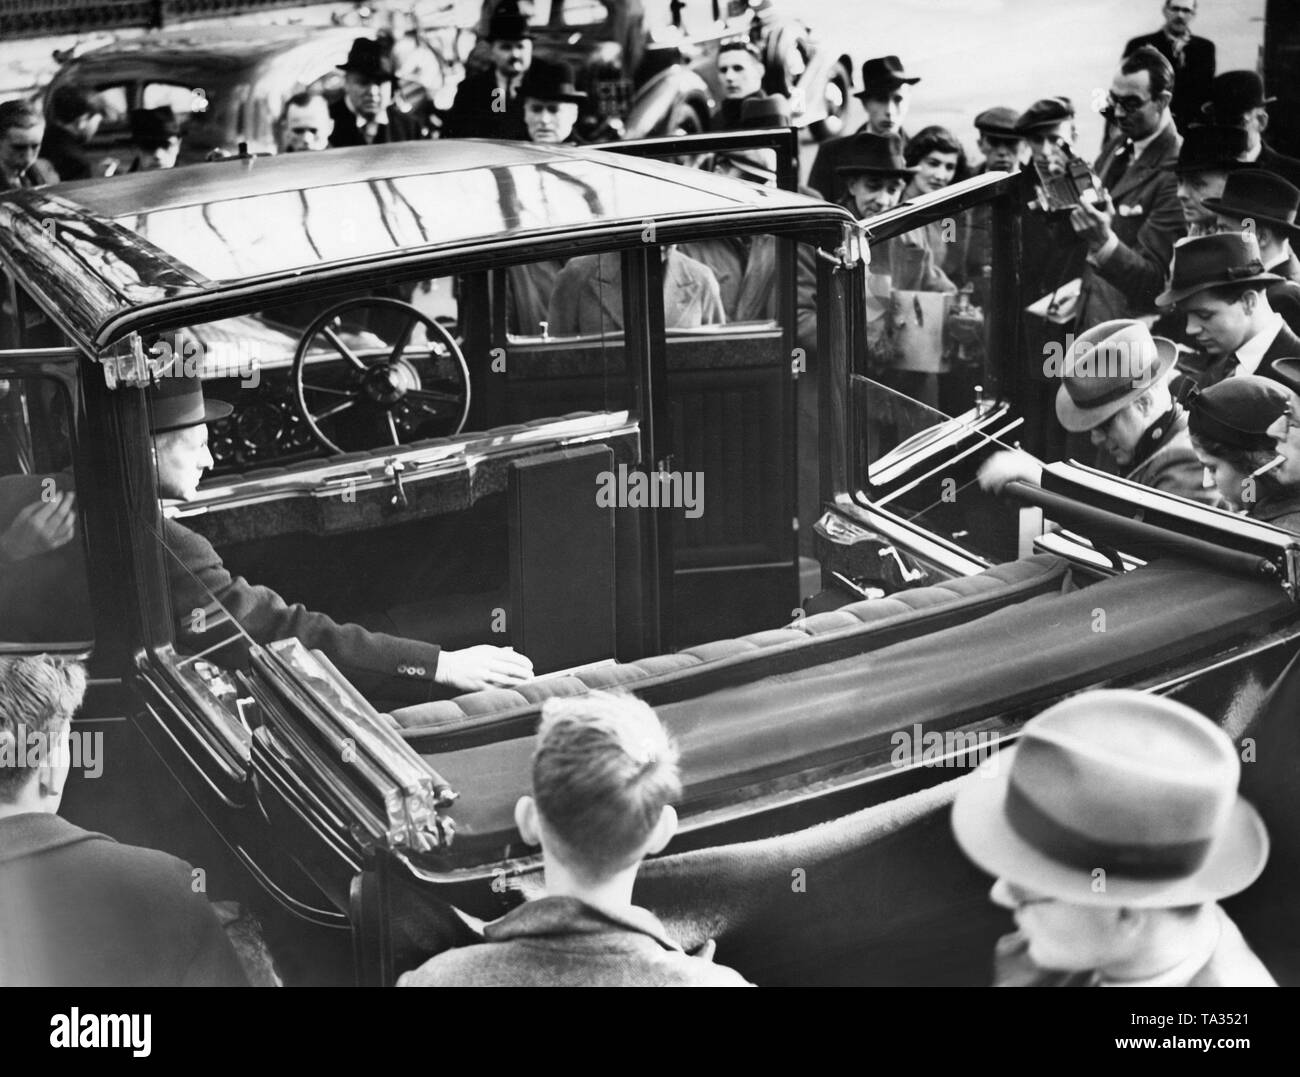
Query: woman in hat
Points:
[1230, 425]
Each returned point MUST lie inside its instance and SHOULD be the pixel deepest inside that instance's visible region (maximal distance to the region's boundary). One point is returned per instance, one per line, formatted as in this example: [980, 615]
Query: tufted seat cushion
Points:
[851, 629]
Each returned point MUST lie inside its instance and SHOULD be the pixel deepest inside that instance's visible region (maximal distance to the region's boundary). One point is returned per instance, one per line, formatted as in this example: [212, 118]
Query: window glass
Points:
[928, 325]
[368, 487]
[43, 590]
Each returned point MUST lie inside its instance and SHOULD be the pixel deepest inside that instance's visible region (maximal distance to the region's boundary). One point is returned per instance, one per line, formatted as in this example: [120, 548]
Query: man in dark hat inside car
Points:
[219, 614]
[488, 103]
[380, 666]
[156, 135]
[1237, 99]
[886, 95]
[365, 114]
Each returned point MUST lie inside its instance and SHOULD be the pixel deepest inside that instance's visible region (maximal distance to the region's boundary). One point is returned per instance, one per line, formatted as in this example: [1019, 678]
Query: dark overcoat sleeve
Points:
[205, 597]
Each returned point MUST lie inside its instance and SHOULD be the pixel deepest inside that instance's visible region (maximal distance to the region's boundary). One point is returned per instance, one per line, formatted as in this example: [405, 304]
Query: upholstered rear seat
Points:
[852, 629]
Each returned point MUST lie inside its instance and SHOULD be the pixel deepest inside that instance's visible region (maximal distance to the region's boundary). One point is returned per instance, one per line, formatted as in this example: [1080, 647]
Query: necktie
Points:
[1119, 165]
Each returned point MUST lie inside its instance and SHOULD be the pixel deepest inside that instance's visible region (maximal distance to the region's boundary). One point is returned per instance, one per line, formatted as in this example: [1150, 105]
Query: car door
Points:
[940, 372]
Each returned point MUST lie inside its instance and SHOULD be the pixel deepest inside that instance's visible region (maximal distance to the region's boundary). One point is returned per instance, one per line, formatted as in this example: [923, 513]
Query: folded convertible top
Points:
[1022, 655]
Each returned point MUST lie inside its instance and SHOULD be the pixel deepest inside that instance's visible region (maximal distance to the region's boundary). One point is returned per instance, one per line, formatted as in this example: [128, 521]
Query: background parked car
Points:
[652, 69]
[226, 85]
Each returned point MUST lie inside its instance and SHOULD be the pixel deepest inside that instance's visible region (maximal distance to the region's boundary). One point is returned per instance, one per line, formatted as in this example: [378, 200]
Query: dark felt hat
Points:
[882, 74]
[1233, 93]
[1202, 262]
[1258, 195]
[760, 113]
[999, 122]
[178, 402]
[1288, 370]
[1045, 112]
[1238, 411]
[550, 80]
[878, 154]
[757, 164]
[154, 126]
[1211, 147]
[508, 23]
[372, 60]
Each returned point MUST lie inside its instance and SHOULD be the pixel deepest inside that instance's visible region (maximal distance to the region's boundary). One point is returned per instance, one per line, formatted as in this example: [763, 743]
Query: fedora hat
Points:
[883, 73]
[1233, 93]
[760, 113]
[1140, 787]
[178, 402]
[1258, 195]
[154, 126]
[508, 23]
[1106, 369]
[1238, 411]
[1288, 372]
[757, 164]
[550, 80]
[372, 60]
[1215, 261]
[878, 154]
[1211, 147]
[1045, 112]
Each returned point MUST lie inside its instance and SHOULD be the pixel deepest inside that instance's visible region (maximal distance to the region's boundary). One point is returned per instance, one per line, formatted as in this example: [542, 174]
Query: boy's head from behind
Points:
[604, 779]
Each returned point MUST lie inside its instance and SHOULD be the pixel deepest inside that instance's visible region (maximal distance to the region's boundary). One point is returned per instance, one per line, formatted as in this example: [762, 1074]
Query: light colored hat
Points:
[1115, 798]
[1106, 369]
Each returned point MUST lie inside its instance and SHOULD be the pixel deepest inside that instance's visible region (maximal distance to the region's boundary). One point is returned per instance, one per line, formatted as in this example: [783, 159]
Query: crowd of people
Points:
[1175, 302]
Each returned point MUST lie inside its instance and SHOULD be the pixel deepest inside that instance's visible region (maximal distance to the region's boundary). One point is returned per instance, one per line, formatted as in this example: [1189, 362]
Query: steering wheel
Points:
[397, 392]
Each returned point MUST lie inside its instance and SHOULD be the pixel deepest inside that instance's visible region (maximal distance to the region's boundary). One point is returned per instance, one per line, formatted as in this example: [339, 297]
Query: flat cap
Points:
[1000, 122]
[1046, 112]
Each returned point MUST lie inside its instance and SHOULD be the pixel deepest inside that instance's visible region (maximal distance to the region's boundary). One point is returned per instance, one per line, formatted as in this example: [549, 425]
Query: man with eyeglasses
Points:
[1191, 57]
[1114, 828]
[306, 124]
[1130, 231]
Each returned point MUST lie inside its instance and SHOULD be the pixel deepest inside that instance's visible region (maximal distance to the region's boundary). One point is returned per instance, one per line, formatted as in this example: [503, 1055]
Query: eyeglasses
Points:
[304, 130]
[1127, 104]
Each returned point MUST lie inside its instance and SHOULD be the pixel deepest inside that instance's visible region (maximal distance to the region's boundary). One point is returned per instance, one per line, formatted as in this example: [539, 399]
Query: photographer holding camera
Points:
[1130, 228]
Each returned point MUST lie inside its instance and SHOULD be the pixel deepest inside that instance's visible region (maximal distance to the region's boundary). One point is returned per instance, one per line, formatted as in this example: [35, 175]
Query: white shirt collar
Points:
[1251, 354]
[1280, 260]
